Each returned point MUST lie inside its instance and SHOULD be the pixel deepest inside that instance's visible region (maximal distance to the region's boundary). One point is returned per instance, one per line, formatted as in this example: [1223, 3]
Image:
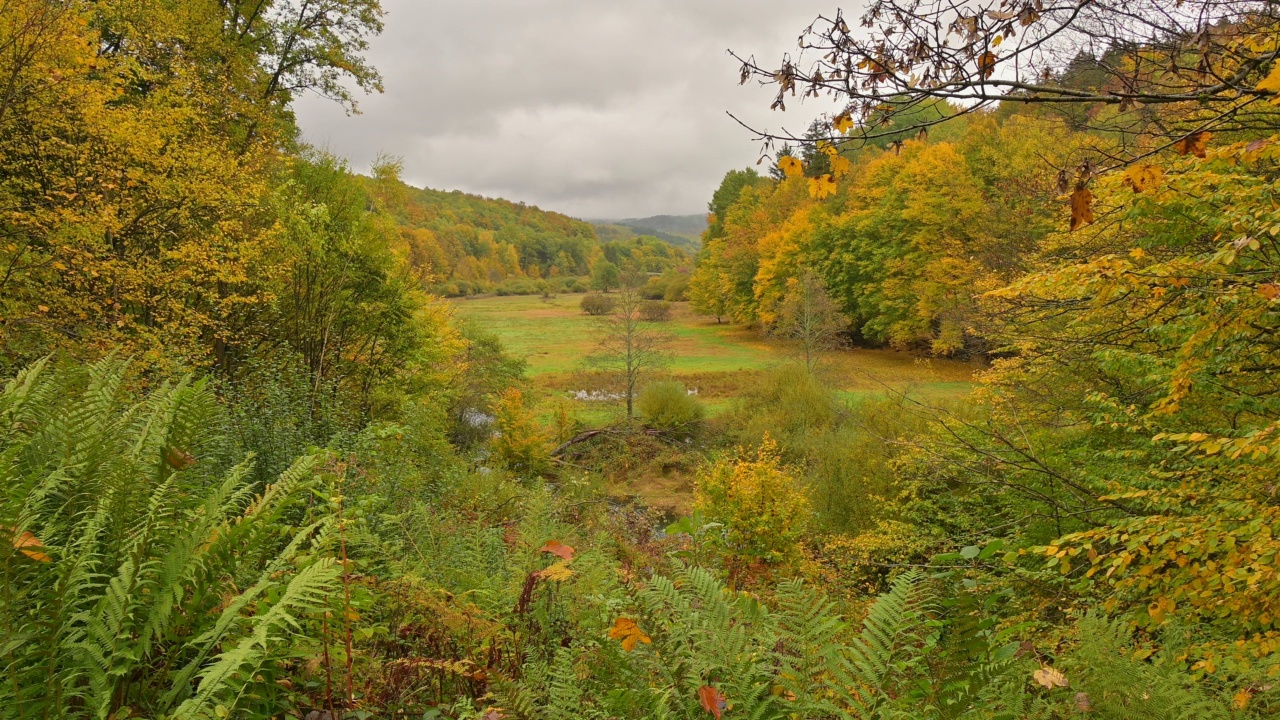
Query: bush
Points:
[790, 404]
[655, 310]
[519, 442]
[519, 286]
[654, 289]
[597, 304]
[756, 497]
[677, 288]
[668, 406]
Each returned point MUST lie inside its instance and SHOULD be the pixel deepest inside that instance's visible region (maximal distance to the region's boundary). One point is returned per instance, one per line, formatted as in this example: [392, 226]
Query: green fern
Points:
[148, 536]
[1119, 686]
[225, 680]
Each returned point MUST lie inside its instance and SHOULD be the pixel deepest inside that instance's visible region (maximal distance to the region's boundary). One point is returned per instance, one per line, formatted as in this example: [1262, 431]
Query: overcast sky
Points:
[595, 108]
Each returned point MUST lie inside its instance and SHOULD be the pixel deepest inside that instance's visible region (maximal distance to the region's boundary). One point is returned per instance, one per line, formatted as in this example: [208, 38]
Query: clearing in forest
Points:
[721, 360]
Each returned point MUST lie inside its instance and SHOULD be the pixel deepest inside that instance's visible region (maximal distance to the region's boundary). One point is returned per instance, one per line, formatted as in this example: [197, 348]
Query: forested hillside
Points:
[613, 231]
[463, 244]
[455, 236]
[253, 466]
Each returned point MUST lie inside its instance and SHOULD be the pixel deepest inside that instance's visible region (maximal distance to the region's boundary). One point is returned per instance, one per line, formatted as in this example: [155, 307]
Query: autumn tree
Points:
[519, 441]
[136, 179]
[705, 295]
[630, 346]
[1154, 72]
[809, 317]
[734, 182]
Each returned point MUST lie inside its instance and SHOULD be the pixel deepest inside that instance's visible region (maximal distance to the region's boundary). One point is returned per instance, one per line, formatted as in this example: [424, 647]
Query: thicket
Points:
[668, 406]
[655, 310]
[598, 304]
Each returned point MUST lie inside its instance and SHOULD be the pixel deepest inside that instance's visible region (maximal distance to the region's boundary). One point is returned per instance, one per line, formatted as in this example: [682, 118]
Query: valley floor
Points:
[721, 361]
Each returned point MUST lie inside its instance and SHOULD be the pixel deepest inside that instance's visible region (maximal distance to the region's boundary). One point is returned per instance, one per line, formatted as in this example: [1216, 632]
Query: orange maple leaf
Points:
[555, 547]
[626, 630]
[712, 700]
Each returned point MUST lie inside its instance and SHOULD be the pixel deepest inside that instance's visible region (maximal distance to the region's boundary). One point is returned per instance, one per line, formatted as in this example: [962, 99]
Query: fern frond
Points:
[224, 679]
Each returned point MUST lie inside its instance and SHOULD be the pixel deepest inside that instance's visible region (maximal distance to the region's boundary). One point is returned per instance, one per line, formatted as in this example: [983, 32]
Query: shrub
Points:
[790, 404]
[654, 289]
[597, 304]
[677, 288]
[655, 310]
[519, 286]
[668, 406]
[520, 442]
[757, 500]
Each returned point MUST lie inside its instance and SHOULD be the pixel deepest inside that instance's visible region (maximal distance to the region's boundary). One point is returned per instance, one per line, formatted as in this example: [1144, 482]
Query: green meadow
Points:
[721, 360]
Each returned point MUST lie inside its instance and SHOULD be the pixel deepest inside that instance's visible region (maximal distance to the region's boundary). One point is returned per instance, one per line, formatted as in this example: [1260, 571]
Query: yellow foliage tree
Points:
[764, 511]
[519, 440]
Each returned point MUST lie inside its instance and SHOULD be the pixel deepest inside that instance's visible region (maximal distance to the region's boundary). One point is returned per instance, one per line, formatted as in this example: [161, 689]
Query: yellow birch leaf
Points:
[626, 630]
[1143, 177]
[1049, 678]
[1271, 83]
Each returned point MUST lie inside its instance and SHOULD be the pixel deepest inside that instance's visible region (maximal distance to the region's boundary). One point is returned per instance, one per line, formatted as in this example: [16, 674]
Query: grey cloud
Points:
[597, 108]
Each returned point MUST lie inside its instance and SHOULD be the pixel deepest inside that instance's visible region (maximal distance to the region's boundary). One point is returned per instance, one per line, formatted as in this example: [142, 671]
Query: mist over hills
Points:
[684, 231]
[690, 226]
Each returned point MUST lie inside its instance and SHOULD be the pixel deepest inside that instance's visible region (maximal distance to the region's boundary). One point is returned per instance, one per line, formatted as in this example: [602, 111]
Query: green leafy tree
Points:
[605, 276]
[724, 198]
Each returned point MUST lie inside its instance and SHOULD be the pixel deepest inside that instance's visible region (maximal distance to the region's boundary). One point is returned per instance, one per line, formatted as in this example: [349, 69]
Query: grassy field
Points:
[722, 361]
[555, 337]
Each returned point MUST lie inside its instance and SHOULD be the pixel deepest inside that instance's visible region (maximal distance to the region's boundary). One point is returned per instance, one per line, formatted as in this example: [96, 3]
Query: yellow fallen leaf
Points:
[1049, 678]
[559, 549]
[1241, 699]
[27, 544]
